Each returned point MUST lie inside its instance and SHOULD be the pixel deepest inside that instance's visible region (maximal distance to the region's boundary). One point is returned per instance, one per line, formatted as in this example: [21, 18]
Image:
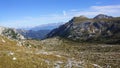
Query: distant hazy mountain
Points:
[31, 34]
[47, 26]
[101, 28]
[38, 32]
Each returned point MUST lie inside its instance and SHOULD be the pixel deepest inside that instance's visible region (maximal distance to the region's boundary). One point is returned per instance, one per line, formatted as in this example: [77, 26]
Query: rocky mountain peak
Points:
[77, 20]
[102, 16]
[85, 29]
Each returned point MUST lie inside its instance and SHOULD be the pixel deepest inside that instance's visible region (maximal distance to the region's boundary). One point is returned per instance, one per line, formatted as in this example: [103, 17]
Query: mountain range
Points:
[101, 28]
[79, 43]
[49, 26]
[31, 34]
[38, 32]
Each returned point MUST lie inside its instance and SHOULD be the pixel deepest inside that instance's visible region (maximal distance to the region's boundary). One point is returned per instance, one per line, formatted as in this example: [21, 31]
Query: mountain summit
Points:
[101, 28]
[102, 16]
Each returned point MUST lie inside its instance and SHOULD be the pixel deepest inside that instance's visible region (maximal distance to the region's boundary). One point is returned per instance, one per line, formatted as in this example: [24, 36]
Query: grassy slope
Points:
[104, 55]
[57, 52]
[25, 56]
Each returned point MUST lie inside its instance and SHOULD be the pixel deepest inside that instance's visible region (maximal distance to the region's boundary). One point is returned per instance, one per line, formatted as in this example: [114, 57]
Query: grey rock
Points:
[105, 30]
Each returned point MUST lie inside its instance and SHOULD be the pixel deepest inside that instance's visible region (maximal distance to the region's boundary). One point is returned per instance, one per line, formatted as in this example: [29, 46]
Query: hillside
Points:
[101, 28]
[85, 55]
[57, 53]
[79, 43]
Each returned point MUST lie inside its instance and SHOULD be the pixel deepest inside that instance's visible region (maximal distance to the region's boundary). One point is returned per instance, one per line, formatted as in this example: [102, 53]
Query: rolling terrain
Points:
[79, 43]
[57, 53]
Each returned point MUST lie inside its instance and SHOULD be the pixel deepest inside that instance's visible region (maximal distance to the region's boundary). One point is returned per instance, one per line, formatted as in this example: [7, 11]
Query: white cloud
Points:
[113, 10]
[35, 21]
[91, 11]
[107, 7]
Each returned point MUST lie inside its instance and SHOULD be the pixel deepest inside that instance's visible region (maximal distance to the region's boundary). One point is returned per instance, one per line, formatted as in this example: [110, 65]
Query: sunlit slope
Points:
[31, 55]
[93, 55]
[57, 53]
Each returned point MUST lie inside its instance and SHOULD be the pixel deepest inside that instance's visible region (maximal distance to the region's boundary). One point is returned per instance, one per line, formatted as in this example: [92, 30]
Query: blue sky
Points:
[29, 13]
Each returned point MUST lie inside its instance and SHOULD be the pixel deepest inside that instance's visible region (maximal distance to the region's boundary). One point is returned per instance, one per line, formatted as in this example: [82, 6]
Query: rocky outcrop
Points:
[102, 16]
[10, 33]
[101, 28]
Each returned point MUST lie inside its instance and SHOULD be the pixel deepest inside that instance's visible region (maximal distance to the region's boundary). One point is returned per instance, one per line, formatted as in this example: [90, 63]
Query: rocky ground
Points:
[57, 53]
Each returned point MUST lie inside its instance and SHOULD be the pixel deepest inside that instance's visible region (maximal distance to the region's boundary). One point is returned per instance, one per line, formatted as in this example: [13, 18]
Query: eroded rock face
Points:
[101, 28]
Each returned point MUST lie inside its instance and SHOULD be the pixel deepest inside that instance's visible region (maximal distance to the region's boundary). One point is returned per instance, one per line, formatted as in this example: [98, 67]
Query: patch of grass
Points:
[103, 55]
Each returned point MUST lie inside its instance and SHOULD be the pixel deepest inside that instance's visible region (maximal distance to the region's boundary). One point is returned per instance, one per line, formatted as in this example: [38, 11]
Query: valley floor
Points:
[57, 53]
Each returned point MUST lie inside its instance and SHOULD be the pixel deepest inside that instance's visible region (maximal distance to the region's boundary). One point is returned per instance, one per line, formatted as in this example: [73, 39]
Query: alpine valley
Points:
[79, 43]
